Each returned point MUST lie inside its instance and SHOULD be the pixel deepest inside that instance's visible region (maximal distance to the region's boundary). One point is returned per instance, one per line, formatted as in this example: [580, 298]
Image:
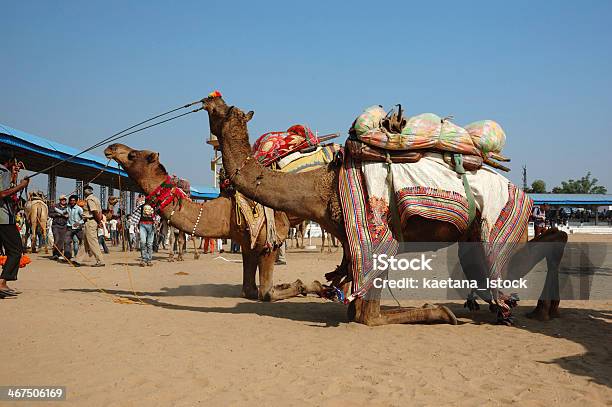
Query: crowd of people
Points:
[82, 227]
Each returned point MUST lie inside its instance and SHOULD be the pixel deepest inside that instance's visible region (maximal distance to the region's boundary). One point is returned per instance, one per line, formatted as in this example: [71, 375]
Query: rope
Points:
[466, 186]
[116, 298]
[123, 133]
[126, 266]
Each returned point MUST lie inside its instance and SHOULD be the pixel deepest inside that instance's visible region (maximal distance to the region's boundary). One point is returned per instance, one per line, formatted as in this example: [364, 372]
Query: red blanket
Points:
[273, 146]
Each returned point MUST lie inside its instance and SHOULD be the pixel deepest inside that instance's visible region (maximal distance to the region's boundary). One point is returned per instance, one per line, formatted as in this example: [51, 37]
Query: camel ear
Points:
[153, 158]
[249, 115]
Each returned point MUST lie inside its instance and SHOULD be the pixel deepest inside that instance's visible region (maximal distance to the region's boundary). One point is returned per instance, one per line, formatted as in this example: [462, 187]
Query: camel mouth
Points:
[109, 153]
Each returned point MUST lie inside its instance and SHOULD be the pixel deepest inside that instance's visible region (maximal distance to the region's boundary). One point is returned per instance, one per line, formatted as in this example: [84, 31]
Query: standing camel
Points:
[37, 213]
[296, 232]
[315, 195]
[216, 219]
[330, 239]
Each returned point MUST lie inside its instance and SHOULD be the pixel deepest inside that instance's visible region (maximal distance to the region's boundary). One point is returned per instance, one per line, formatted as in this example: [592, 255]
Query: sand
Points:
[198, 343]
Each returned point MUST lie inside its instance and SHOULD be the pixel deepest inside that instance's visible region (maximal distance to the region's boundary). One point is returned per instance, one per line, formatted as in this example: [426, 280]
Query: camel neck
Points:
[293, 193]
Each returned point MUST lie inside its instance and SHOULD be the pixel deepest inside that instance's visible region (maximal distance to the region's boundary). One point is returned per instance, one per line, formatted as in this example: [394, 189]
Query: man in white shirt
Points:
[113, 231]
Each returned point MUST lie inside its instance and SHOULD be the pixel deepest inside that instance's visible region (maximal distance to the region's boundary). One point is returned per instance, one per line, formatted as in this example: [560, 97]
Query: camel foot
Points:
[250, 293]
[541, 311]
[554, 309]
[180, 258]
[196, 256]
[171, 259]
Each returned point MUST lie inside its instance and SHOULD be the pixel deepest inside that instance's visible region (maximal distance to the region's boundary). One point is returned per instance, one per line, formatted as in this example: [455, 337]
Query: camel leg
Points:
[270, 293]
[34, 237]
[171, 244]
[180, 246]
[295, 289]
[368, 312]
[549, 245]
[196, 253]
[249, 268]
[44, 235]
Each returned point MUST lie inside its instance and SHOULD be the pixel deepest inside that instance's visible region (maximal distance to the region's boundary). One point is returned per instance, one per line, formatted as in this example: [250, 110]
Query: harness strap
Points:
[466, 186]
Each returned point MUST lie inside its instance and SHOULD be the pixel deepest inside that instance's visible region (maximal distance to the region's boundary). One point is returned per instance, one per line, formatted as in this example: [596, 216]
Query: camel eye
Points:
[131, 155]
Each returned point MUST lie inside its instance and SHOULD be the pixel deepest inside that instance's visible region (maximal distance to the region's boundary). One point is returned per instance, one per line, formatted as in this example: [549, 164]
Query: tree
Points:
[585, 185]
[538, 186]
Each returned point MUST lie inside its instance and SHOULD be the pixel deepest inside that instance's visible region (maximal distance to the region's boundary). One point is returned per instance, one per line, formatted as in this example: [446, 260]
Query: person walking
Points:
[132, 235]
[144, 216]
[102, 232]
[92, 214]
[59, 227]
[74, 228]
[114, 231]
[539, 220]
[9, 234]
[281, 259]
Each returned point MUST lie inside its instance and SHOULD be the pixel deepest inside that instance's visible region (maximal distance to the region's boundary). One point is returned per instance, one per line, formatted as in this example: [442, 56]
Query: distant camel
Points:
[37, 213]
[330, 239]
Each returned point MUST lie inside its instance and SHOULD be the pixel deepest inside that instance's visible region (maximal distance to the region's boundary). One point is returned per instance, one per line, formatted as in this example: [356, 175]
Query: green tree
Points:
[538, 186]
[585, 185]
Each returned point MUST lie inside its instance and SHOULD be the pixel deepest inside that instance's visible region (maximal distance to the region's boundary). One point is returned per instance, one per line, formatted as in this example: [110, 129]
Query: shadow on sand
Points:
[592, 329]
[196, 290]
[329, 314]
[576, 324]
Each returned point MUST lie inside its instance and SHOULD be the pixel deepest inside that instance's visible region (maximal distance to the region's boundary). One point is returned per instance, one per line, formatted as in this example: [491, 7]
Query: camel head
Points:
[219, 113]
[112, 201]
[142, 166]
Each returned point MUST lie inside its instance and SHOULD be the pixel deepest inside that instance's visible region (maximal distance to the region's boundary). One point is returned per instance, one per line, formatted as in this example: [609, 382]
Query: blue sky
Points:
[77, 72]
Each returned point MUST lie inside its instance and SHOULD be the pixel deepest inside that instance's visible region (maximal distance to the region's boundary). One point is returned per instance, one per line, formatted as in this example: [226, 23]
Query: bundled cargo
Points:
[429, 131]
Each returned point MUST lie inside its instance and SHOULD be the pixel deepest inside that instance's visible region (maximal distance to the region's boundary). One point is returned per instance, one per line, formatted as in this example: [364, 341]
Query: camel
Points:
[37, 212]
[329, 239]
[111, 202]
[216, 219]
[315, 195]
[298, 233]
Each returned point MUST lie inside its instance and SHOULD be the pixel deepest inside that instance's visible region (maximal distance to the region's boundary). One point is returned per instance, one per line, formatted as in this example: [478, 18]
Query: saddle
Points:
[271, 147]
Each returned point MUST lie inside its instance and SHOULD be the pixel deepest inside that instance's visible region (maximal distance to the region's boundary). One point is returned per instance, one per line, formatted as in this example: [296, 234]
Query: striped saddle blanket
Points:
[429, 188]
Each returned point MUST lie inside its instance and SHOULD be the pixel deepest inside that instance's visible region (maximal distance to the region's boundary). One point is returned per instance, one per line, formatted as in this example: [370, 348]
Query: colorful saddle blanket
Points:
[303, 162]
[273, 146]
[431, 189]
[256, 217]
[429, 131]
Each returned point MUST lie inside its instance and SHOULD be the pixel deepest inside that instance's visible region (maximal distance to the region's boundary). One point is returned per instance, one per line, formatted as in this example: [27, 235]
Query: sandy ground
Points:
[197, 343]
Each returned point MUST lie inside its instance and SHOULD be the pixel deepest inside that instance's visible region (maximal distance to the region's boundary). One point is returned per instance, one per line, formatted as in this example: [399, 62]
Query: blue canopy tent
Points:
[39, 153]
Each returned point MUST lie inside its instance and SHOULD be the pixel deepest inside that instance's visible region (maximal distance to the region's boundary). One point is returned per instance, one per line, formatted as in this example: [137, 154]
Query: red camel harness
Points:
[166, 193]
